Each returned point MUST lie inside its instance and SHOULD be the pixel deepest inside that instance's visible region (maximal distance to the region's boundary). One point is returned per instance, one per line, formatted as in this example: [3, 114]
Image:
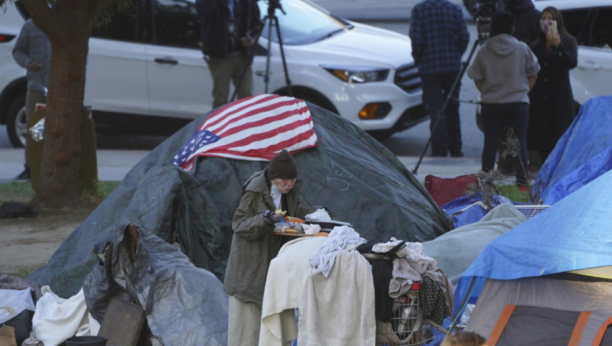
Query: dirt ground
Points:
[27, 243]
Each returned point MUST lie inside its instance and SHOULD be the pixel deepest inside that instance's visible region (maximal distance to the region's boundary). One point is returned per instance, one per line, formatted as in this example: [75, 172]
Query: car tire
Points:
[381, 135]
[16, 126]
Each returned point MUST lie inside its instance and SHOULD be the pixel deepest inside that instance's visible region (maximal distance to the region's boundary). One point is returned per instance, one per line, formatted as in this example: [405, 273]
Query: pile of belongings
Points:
[365, 292]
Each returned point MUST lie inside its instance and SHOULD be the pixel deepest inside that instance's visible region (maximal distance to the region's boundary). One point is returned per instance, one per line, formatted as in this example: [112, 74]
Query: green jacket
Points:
[252, 248]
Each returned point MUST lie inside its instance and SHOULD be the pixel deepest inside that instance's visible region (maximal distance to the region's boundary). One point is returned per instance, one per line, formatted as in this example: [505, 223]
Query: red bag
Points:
[444, 190]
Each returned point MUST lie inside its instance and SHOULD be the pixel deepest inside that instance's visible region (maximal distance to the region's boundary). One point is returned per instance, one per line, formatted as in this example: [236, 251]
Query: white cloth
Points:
[339, 310]
[340, 238]
[284, 284]
[411, 267]
[384, 247]
[243, 323]
[311, 229]
[57, 319]
[276, 198]
[319, 215]
[13, 302]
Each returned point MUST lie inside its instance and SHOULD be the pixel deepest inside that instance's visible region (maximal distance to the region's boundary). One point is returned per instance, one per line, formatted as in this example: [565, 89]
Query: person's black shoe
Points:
[23, 177]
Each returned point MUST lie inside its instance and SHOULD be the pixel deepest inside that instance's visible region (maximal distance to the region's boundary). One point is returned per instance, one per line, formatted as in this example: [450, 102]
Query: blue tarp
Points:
[573, 234]
[589, 135]
[473, 213]
[598, 165]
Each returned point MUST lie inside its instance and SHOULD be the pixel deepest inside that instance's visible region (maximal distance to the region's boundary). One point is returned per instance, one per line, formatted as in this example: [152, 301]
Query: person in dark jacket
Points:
[253, 248]
[551, 100]
[228, 29]
[439, 37]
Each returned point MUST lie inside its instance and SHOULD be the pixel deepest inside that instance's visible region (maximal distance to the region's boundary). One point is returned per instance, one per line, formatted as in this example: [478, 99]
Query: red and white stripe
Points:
[257, 128]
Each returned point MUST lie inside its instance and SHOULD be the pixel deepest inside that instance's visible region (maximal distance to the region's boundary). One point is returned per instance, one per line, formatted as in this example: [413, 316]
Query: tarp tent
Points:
[531, 296]
[589, 135]
[351, 173]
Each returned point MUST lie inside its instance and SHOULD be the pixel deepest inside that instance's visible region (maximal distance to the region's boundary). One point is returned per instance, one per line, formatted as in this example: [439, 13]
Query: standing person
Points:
[32, 51]
[253, 248]
[464, 339]
[526, 29]
[439, 38]
[504, 71]
[552, 101]
[228, 29]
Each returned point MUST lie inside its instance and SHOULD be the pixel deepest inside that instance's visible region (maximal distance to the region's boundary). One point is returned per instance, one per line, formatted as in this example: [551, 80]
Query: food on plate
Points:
[291, 230]
[280, 212]
[293, 219]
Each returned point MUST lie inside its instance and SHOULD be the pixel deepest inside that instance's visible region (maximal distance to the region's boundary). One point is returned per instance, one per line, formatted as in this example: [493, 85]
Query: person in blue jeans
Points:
[439, 38]
[504, 71]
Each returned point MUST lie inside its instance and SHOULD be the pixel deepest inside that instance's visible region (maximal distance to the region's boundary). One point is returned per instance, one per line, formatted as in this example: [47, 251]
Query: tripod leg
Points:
[267, 76]
[464, 66]
[280, 43]
[249, 59]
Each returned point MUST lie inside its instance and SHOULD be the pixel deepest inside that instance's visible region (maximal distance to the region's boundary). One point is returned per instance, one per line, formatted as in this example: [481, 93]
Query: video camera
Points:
[483, 11]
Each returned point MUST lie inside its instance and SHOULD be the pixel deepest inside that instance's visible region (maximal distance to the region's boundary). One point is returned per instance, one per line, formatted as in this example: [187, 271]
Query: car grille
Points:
[407, 78]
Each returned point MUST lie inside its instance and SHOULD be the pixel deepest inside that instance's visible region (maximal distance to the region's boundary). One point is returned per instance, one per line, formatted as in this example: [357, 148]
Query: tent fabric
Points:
[360, 180]
[468, 241]
[596, 166]
[546, 293]
[164, 282]
[587, 136]
[572, 234]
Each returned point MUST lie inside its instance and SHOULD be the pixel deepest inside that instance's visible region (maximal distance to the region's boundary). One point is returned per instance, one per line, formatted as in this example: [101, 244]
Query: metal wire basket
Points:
[407, 326]
[531, 210]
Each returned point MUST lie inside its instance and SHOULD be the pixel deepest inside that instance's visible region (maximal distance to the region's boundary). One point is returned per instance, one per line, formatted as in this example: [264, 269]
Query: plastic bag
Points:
[319, 215]
[13, 302]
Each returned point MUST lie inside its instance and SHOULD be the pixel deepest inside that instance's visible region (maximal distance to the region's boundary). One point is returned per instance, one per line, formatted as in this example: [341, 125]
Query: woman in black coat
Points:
[551, 100]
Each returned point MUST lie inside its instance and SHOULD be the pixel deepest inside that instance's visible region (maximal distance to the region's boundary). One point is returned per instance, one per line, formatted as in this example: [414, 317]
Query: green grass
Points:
[512, 192]
[23, 191]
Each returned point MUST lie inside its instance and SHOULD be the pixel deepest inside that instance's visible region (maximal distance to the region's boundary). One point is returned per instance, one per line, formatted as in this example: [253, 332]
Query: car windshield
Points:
[303, 22]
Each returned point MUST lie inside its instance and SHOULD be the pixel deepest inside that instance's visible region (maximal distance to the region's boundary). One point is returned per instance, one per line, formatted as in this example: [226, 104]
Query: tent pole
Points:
[468, 294]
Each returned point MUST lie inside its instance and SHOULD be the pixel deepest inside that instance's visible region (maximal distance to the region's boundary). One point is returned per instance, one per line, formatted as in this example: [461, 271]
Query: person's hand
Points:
[34, 66]
[246, 41]
[270, 218]
[553, 36]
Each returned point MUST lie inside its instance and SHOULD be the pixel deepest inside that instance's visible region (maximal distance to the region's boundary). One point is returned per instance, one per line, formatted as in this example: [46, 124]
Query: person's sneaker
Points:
[23, 177]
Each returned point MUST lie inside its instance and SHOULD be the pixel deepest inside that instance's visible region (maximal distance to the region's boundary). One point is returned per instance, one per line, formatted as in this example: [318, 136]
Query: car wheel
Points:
[16, 123]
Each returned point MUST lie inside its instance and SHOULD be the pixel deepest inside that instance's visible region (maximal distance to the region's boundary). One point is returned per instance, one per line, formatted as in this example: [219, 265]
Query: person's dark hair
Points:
[502, 22]
[463, 339]
[560, 26]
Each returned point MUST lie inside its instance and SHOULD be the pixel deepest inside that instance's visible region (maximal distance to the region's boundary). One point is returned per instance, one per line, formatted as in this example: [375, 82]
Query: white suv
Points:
[146, 73]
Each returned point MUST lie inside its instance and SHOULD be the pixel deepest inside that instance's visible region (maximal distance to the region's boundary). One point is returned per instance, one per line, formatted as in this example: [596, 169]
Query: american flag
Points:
[254, 128]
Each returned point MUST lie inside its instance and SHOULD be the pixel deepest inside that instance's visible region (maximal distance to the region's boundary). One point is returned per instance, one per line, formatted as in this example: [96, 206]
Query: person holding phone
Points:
[551, 109]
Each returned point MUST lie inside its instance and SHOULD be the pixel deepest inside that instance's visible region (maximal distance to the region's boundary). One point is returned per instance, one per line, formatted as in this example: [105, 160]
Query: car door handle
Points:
[166, 61]
[261, 73]
[590, 65]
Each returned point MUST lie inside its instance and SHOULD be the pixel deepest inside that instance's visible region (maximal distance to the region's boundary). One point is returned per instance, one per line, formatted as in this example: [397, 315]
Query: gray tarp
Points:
[184, 305]
[468, 241]
[351, 173]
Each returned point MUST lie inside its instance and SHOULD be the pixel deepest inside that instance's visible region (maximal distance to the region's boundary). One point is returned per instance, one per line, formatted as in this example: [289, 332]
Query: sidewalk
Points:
[113, 165]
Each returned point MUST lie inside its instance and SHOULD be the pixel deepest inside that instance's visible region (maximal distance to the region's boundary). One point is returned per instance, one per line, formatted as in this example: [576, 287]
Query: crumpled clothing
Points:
[340, 238]
[386, 247]
[432, 300]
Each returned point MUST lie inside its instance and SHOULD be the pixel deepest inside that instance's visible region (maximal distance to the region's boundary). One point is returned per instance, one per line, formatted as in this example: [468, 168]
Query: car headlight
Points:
[358, 75]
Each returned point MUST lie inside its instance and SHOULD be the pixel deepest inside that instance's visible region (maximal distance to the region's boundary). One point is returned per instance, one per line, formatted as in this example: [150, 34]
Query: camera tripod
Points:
[480, 40]
[272, 20]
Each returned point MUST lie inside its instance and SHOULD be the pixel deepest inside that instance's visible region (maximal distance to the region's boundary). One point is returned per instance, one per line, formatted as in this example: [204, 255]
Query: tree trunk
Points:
[60, 167]
[67, 24]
